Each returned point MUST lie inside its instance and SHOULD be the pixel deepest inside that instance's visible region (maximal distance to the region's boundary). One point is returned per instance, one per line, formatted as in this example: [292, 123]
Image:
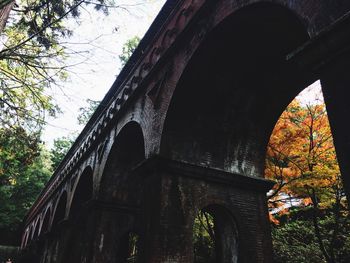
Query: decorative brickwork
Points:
[185, 127]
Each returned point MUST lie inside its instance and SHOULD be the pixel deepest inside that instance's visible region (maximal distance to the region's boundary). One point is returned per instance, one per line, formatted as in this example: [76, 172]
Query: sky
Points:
[94, 47]
[311, 94]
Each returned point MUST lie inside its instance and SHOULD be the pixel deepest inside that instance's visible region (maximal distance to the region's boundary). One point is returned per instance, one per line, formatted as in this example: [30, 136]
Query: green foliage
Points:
[301, 160]
[132, 248]
[24, 170]
[295, 240]
[203, 238]
[85, 113]
[27, 70]
[33, 59]
[43, 20]
[60, 148]
[129, 48]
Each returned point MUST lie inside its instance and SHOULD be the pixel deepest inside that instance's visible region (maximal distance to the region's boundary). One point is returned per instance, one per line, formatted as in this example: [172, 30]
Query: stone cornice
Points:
[165, 31]
[188, 170]
[321, 50]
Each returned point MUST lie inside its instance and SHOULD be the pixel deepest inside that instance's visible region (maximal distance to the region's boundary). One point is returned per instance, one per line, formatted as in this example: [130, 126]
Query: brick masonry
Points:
[185, 127]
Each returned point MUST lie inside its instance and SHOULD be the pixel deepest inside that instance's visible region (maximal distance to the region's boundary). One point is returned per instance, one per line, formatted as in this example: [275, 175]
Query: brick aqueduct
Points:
[185, 127]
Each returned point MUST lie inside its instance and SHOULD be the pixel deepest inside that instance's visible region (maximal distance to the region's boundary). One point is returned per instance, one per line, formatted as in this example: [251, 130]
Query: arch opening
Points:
[36, 230]
[308, 199]
[27, 239]
[24, 239]
[77, 246]
[82, 193]
[46, 222]
[215, 236]
[127, 151]
[30, 234]
[121, 188]
[128, 251]
[232, 89]
[60, 211]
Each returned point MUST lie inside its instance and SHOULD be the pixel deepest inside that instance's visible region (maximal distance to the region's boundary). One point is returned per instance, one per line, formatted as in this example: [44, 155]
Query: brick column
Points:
[173, 194]
[336, 89]
[76, 237]
[109, 224]
[55, 243]
[167, 233]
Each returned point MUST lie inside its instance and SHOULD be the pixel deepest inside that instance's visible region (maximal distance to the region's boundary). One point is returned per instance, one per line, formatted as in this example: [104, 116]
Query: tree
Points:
[204, 238]
[129, 48]
[295, 240]
[24, 170]
[5, 8]
[33, 58]
[4, 3]
[60, 148]
[85, 113]
[301, 156]
[301, 160]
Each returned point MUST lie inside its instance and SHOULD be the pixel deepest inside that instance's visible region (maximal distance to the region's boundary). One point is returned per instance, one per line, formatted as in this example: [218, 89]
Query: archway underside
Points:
[221, 115]
[233, 90]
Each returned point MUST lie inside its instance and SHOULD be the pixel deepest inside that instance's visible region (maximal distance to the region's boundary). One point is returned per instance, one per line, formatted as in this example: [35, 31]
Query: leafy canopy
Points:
[33, 58]
[295, 241]
[301, 160]
[60, 148]
[204, 238]
[24, 170]
[85, 113]
[129, 48]
[301, 157]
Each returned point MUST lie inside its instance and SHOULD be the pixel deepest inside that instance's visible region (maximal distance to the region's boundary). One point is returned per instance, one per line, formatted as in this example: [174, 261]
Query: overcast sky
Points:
[97, 42]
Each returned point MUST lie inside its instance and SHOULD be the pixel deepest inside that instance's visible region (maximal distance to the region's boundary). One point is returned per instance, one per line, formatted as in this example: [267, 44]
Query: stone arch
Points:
[32, 229]
[45, 226]
[128, 249]
[31, 233]
[233, 89]
[127, 151]
[225, 230]
[60, 211]
[119, 193]
[37, 240]
[82, 191]
[26, 237]
[37, 228]
[77, 232]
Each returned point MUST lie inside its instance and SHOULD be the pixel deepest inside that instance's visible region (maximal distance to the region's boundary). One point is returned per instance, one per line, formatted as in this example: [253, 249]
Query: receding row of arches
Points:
[118, 187]
[221, 114]
[73, 203]
[54, 214]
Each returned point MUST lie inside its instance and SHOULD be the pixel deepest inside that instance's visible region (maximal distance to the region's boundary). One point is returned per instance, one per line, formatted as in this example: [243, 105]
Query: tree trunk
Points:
[4, 14]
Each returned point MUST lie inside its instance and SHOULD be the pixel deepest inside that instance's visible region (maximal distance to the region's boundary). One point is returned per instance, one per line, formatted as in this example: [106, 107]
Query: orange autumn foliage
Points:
[300, 157]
